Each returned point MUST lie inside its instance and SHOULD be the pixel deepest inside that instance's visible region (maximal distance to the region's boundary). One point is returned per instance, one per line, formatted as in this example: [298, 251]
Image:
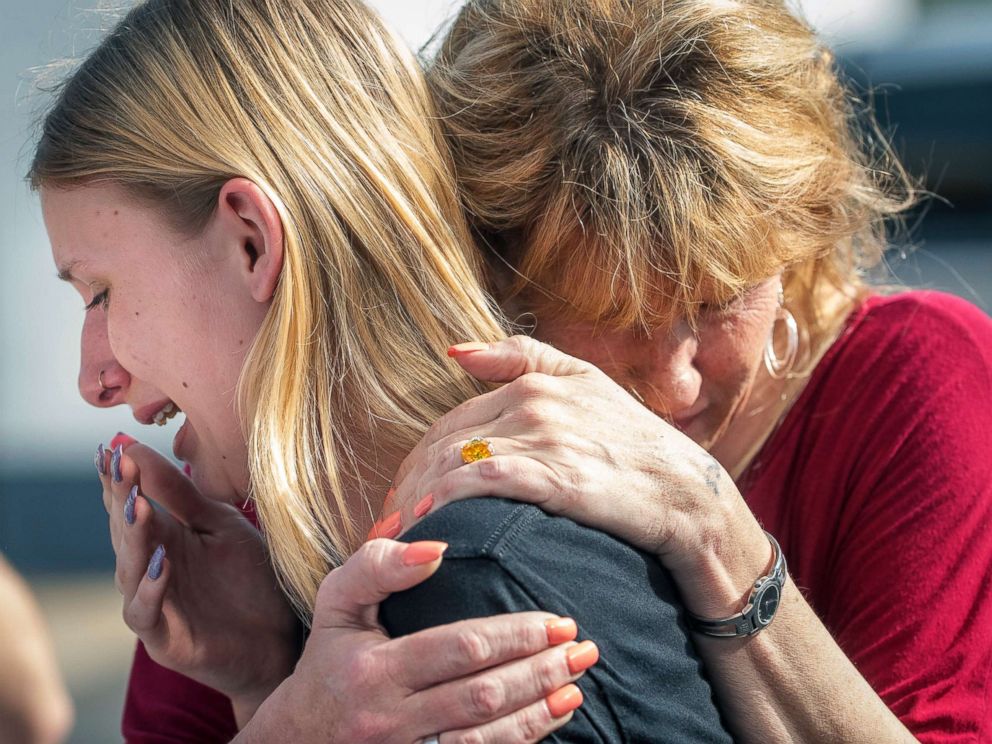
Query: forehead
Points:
[86, 224]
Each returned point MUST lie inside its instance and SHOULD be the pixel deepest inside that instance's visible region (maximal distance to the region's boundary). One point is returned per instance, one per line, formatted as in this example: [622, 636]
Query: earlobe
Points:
[256, 233]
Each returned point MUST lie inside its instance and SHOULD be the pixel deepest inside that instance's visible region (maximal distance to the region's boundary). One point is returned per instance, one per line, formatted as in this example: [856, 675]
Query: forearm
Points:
[791, 681]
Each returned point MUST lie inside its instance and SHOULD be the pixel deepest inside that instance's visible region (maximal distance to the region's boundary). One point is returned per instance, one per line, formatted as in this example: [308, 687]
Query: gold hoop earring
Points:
[99, 379]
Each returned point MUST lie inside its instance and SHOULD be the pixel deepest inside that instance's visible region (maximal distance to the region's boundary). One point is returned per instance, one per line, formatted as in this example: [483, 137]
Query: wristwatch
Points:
[760, 608]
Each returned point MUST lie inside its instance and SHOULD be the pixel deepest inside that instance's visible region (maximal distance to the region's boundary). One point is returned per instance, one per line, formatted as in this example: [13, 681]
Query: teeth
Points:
[168, 411]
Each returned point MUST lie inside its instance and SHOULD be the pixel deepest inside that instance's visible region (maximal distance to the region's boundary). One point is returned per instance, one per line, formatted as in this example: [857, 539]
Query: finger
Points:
[486, 696]
[530, 724]
[514, 357]
[167, 485]
[101, 460]
[470, 646]
[137, 534]
[143, 614]
[123, 475]
[446, 456]
[517, 477]
[349, 595]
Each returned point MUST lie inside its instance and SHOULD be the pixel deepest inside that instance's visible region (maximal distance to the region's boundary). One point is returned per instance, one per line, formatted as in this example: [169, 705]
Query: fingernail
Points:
[132, 496]
[425, 551]
[123, 440]
[155, 564]
[467, 347]
[100, 461]
[390, 526]
[582, 656]
[115, 463]
[564, 701]
[561, 630]
[423, 506]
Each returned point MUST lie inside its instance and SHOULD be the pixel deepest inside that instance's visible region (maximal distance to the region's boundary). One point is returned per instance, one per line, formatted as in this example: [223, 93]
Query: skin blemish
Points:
[136, 313]
[241, 342]
[185, 385]
[116, 213]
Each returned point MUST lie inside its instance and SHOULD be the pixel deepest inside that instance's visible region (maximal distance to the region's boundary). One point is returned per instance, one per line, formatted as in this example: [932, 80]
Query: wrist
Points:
[716, 578]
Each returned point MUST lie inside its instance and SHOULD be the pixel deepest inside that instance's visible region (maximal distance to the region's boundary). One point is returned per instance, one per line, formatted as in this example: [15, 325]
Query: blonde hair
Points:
[317, 103]
[632, 158]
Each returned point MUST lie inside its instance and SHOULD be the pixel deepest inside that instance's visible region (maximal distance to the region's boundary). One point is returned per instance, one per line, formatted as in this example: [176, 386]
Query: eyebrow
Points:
[65, 272]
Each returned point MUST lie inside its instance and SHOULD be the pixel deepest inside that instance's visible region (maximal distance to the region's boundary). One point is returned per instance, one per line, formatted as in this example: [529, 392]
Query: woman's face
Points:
[697, 381]
[169, 320]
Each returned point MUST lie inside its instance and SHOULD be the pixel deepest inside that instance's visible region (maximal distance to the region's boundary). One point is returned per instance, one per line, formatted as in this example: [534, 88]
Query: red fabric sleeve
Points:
[889, 483]
[163, 707]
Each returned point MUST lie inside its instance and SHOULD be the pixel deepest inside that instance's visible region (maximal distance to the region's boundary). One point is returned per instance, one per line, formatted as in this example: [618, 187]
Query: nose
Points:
[672, 382]
[103, 382]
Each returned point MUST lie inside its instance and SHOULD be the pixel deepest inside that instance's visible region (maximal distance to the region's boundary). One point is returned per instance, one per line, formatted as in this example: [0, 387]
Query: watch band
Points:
[759, 610]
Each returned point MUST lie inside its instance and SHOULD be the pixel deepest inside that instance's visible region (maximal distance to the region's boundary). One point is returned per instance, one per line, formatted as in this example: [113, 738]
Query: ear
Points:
[255, 229]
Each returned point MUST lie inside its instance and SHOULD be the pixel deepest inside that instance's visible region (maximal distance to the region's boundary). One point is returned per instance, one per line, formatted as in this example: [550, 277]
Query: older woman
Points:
[677, 192]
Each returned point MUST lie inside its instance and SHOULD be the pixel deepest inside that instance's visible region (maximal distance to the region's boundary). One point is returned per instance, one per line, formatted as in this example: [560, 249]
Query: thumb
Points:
[506, 360]
[349, 596]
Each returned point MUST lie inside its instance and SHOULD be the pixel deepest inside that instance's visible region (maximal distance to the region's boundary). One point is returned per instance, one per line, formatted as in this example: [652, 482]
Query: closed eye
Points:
[102, 299]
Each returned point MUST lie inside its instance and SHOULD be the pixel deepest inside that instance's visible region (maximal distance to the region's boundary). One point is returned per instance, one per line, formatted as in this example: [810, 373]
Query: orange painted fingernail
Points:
[561, 630]
[390, 526]
[467, 347]
[564, 701]
[425, 551]
[582, 656]
[423, 506]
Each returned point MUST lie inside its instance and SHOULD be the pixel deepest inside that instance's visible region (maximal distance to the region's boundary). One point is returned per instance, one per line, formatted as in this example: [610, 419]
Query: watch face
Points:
[767, 603]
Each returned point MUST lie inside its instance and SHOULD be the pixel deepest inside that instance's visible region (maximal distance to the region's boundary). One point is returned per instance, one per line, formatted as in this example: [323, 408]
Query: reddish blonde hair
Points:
[627, 157]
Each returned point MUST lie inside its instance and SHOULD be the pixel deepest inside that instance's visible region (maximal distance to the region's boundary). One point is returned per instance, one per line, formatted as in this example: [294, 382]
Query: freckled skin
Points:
[191, 326]
[700, 381]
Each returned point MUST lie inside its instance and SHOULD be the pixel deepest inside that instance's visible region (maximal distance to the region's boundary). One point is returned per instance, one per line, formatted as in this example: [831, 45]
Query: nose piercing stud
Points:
[99, 379]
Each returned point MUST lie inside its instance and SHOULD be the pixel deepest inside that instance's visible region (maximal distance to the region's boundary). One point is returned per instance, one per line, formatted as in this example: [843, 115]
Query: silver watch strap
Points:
[761, 606]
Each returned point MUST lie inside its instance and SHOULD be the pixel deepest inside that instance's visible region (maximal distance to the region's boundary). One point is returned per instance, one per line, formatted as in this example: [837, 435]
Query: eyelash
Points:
[102, 299]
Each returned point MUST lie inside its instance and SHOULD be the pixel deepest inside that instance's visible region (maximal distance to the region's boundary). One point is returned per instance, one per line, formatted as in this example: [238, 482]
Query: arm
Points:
[34, 705]
[634, 476]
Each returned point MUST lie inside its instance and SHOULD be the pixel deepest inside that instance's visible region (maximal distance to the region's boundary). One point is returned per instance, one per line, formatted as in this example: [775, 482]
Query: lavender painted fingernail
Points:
[132, 496]
[155, 564]
[115, 463]
[99, 460]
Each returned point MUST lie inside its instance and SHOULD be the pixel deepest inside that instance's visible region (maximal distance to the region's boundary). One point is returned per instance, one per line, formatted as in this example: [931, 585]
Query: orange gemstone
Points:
[476, 448]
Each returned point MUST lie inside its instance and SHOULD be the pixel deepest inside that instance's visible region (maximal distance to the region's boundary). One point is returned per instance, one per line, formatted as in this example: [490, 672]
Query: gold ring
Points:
[99, 379]
[476, 448]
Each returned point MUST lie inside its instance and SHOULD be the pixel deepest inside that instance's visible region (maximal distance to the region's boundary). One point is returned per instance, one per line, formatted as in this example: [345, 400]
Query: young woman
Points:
[254, 204]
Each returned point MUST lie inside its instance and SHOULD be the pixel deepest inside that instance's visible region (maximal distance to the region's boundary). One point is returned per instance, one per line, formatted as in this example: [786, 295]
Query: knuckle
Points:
[491, 468]
[532, 723]
[531, 385]
[475, 647]
[473, 736]
[550, 673]
[487, 695]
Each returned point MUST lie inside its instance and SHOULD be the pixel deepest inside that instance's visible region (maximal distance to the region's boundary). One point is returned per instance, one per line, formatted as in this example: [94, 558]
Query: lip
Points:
[686, 417]
[146, 414]
[179, 439]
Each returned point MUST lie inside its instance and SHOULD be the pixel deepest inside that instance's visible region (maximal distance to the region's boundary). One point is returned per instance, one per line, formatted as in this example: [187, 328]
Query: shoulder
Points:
[927, 347]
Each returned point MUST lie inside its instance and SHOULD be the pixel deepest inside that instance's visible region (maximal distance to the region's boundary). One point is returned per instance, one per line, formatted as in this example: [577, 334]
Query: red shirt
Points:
[878, 485]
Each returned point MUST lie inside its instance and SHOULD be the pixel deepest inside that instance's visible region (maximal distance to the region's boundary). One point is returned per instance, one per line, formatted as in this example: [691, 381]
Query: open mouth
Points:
[167, 413]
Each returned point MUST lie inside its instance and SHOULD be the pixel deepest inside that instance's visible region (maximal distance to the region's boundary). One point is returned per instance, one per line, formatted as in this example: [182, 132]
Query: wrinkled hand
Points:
[501, 679]
[210, 607]
[569, 439]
